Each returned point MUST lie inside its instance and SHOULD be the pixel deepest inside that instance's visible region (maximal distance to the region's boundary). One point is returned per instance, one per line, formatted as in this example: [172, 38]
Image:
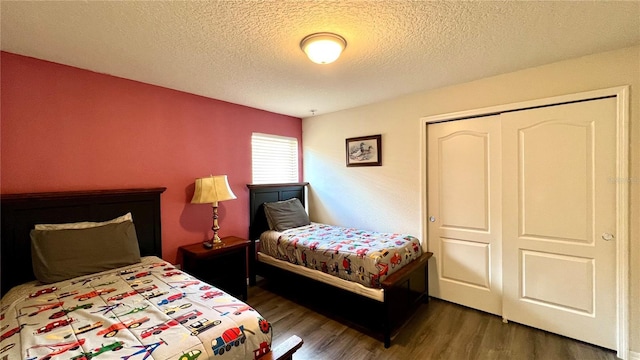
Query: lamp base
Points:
[207, 244]
[215, 240]
[213, 243]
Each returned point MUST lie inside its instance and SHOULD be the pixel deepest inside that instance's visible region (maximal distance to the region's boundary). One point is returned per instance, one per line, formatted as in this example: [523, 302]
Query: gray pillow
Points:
[59, 255]
[283, 215]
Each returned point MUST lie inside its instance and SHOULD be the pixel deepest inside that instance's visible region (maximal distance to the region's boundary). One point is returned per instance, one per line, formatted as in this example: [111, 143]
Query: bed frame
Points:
[20, 212]
[404, 290]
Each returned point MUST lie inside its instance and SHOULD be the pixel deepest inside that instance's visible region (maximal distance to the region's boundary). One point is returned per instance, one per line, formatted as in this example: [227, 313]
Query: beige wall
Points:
[387, 198]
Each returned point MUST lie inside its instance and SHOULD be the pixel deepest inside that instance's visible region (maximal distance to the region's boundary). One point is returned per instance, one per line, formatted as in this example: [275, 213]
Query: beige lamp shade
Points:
[210, 190]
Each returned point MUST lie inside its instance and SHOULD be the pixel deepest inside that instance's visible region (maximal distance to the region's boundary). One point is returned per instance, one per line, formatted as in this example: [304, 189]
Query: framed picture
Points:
[364, 151]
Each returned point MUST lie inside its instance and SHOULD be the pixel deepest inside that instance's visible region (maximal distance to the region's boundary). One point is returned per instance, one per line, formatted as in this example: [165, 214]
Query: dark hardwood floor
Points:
[439, 330]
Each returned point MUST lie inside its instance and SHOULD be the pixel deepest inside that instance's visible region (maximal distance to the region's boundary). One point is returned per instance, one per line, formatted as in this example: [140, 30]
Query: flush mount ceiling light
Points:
[324, 47]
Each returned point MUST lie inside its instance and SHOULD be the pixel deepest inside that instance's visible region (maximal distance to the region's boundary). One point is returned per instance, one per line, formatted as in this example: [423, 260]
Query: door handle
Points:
[607, 237]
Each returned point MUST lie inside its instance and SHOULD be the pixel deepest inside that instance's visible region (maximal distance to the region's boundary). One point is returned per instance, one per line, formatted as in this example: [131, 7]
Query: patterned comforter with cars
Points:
[361, 256]
[145, 311]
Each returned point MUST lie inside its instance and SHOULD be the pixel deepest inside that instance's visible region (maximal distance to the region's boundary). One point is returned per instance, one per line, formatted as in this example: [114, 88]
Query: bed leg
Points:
[386, 326]
[425, 300]
[252, 263]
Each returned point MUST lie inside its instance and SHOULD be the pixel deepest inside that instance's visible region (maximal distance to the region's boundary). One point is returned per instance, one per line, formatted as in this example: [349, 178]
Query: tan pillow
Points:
[64, 254]
[283, 215]
[83, 224]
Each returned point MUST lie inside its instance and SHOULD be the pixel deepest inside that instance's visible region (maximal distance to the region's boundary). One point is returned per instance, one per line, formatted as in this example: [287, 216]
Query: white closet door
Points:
[465, 212]
[559, 219]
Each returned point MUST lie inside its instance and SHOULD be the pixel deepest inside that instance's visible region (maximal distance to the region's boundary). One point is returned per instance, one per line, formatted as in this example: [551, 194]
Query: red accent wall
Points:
[64, 128]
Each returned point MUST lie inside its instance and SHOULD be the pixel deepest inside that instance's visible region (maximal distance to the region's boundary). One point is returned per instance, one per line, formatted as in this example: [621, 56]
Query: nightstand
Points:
[224, 266]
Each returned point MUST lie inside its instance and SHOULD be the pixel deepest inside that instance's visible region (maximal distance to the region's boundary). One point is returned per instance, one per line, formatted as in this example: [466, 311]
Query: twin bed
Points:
[386, 272]
[103, 290]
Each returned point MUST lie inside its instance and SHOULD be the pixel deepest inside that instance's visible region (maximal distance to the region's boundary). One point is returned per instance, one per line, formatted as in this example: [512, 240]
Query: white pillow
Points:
[84, 224]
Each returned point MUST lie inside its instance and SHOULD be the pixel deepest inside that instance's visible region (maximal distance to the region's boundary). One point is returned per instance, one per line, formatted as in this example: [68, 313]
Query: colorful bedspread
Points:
[146, 311]
[356, 255]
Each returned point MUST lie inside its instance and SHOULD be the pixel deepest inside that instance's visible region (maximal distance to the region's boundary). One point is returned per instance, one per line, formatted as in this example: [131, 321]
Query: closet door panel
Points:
[559, 250]
[464, 212]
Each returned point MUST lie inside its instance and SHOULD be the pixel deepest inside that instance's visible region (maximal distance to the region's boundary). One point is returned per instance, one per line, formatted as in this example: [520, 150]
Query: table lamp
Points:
[210, 190]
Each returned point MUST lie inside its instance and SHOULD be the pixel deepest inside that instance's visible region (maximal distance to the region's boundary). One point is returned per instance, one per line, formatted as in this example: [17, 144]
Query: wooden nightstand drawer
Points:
[224, 267]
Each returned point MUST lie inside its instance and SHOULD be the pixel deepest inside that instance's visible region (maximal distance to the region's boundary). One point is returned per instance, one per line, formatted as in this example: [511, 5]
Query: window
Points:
[274, 159]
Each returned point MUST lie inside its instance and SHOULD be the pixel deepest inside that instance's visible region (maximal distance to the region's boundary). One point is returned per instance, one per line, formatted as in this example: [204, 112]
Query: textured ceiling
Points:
[247, 52]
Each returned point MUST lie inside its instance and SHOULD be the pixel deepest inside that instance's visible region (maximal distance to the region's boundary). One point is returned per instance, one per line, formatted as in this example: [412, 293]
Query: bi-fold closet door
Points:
[522, 216]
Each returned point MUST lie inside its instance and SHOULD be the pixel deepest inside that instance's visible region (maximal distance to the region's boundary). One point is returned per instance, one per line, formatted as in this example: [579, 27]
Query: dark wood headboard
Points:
[20, 212]
[260, 194]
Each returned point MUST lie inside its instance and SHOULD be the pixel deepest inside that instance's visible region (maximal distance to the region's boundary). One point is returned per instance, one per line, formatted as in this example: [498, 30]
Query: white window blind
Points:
[274, 159]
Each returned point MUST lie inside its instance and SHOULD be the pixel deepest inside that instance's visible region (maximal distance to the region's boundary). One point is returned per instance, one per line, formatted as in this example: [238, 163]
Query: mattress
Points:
[148, 310]
[360, 256]
[356, 288]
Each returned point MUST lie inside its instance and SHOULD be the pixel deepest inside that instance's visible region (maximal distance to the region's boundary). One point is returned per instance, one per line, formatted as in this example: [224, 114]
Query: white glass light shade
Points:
[323, 48]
